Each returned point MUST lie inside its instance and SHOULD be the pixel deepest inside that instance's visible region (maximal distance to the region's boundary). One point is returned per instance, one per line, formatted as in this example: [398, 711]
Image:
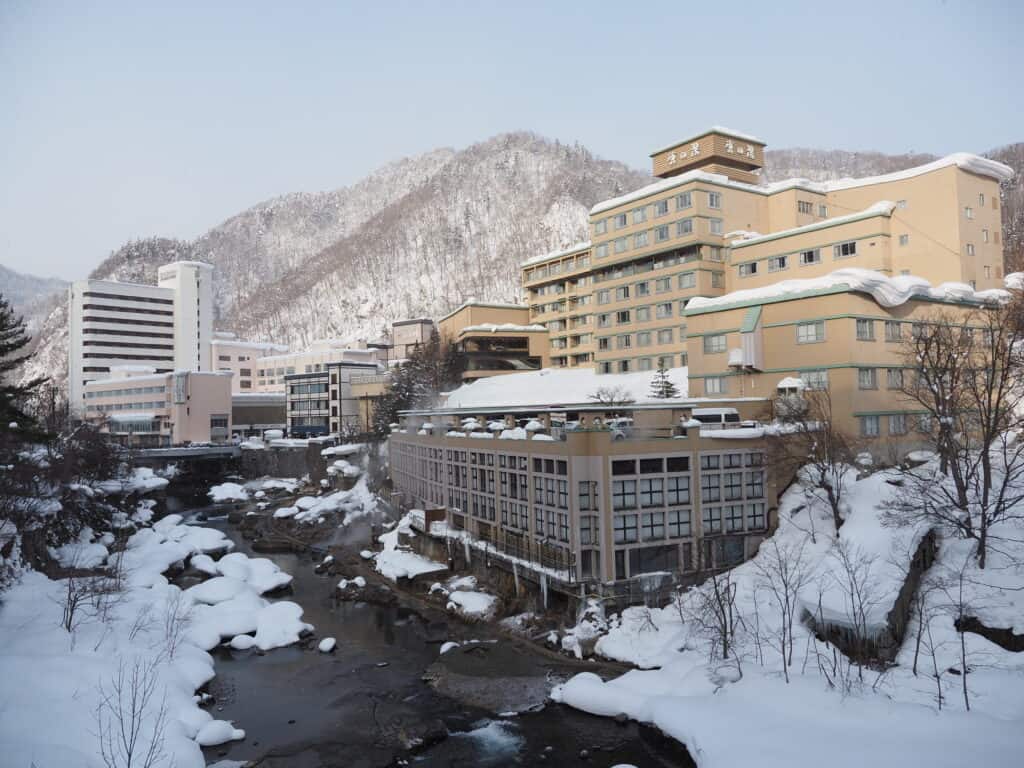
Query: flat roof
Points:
[490, 304]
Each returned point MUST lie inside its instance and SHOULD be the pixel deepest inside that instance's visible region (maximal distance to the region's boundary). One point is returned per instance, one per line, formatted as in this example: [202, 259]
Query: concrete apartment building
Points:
[495, 338]
[166, 327]
[229, 353]
[139, 407]
[747, 290]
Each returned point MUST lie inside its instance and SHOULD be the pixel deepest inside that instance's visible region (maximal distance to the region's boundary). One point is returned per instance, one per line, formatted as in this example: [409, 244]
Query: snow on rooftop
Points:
[492, 304]
[887, 291]
[583, 245]
[557, 386]
[508, 327]
[881, 208]
[963, 160]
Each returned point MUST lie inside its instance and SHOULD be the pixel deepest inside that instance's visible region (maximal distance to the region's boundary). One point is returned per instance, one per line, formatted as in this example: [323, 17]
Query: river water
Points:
[356, 707]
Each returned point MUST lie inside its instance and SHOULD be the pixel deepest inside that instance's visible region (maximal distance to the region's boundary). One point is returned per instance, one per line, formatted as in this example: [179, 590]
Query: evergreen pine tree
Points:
[662, 387]
[14, 397]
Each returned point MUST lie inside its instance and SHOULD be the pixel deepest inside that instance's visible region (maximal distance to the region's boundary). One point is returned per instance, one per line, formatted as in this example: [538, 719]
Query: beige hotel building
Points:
[745, 291]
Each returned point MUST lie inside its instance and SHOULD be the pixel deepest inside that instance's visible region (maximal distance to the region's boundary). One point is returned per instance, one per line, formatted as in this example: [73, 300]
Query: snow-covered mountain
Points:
[423, 234]
[31, 297]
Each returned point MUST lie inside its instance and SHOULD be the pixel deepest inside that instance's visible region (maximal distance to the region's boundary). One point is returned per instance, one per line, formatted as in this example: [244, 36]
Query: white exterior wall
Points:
[192, 284]
[241, 358]
[276, 367]
[113, 324]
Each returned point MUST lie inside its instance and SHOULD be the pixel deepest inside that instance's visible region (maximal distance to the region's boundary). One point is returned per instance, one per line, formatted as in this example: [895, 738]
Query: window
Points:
[684, 201]
[805, 206]
[663, 310]
[968, 212]
[715, 385]
[604, 320]
[639, 215]
[624, 341]
[643, 314]
[810, 257]
[663, 284]
[901, 204]
[718, 280]
[625, 366]
[678, 490]
[844, 250]
[600, 227]
[587, 500]
[714, 199]
[622, 293]
[224, 358]
[898, 424]
[601, 251]
[748, 269]
[643, 339]
[981, 200]
[604, 296]
[624, 494]
[714, 344]
[984, 235]
[661, 233]
[665, 336]
[810, 333]
[652, 492]
[988, 272]
[653, 524]
[684, 227]
[904, 239]
[622, 317]
[755, 517]
[893, 330]
[734, 518]
[678, 523]
[715, 253]
[869, 426]
[894, 378]
[624, 467]
[604, 366]
[640, 239]
[688, 280]
[970, 249]
[755, 484]
[625, 529]
[815, 380]
[733, 486]
[645, 364]
[777, 263]
[865, 330]
[715, 226]
[621, 244]
[661, 208]
[620, 221]
[642, 289]
[823, 211]
[711, 519]
[867, 378]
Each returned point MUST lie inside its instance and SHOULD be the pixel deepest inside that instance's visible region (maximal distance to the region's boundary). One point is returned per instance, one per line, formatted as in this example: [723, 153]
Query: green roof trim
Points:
[751, 319]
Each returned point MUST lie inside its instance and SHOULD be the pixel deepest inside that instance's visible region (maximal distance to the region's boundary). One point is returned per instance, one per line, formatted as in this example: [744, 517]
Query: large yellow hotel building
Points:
[622, 301]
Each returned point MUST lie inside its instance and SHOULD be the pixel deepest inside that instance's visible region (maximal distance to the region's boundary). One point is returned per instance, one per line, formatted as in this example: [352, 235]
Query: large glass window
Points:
[810, 333]
[624, 528]
[653, 525]
[711, 519]
[678, 523]
[651, 492]
[678, 490]
[714, 344]
[624, 494]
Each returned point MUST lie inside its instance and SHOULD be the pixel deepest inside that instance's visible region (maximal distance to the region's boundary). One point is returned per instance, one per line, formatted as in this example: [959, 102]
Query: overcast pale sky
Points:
[131, 119]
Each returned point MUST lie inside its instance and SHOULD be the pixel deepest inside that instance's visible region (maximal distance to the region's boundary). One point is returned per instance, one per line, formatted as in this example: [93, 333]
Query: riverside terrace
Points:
[592, 495]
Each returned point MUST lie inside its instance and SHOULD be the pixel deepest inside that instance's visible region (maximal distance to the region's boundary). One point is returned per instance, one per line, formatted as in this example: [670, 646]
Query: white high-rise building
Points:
[163, 327]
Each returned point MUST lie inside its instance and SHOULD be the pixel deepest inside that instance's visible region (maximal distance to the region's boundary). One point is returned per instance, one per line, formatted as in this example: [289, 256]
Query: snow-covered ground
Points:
[830, 712]
[463, 597]
[54, 679]
[393, 562]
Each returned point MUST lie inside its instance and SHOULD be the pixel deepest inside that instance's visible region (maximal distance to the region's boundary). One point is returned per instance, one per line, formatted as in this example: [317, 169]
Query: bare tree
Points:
[612, 396]
[967, 377]
[130, 720]
[959, 608]
[177, 617]
[810, 447]
[712, 608]
[783, 571]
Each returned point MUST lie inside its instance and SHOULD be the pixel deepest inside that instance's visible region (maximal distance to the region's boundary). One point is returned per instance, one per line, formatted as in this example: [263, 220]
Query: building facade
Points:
[708, 228]
[165, 327]
[592, 504]
[495, 339]
[142, 408]
[231, 354]
[321, 402]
